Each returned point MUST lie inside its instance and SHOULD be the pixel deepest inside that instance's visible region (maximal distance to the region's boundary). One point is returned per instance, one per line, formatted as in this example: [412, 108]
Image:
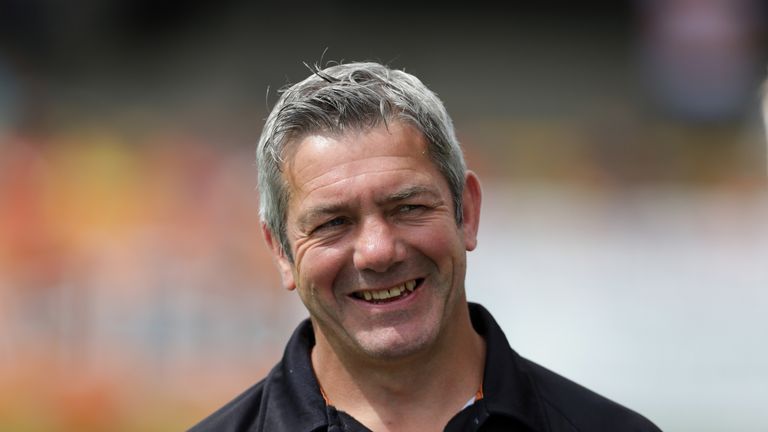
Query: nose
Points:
[377, 247]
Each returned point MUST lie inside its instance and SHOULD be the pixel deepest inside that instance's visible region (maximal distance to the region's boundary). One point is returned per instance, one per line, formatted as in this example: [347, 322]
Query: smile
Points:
[388, 294]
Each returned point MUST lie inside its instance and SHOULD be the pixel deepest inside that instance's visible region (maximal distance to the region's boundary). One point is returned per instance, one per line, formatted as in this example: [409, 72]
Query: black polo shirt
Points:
[518, 395]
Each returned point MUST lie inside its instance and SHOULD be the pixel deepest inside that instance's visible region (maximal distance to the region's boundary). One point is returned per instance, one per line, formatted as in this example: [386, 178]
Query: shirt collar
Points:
[508, 389]
[507, 385]
[301, 401]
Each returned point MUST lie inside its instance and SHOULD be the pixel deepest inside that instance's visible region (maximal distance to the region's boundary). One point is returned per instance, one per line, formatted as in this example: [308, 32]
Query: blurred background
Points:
[624, 237]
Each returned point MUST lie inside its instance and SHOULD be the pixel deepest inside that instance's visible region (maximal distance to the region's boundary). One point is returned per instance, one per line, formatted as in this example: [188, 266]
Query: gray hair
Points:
[347, 97]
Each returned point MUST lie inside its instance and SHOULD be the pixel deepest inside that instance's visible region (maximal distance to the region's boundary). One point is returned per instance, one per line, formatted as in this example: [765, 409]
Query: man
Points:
[369, 211]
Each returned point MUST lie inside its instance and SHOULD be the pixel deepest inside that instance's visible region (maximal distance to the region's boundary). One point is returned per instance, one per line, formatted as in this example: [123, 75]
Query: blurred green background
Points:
[623, 155]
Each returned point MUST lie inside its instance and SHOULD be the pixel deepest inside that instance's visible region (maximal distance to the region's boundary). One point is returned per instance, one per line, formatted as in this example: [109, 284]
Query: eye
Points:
[408, 208]
[330, 224]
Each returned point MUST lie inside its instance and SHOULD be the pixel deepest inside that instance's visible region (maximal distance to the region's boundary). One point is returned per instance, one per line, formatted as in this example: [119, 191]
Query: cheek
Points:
[318, 268]
[438, 239]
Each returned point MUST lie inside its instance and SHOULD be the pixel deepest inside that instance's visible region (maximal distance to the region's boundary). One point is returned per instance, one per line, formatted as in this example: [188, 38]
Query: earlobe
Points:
[472, 198]
[284, 265]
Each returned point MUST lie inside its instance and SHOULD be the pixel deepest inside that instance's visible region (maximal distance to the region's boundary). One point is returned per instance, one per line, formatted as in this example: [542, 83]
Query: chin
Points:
[391, 344]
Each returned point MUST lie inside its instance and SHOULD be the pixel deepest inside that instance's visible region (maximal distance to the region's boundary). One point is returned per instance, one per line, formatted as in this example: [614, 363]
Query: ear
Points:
[472, 199]
[284, 265]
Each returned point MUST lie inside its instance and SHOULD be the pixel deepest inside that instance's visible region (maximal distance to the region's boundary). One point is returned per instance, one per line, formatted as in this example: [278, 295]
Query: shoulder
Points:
[237, 415]
[572, 407]
[287, 399]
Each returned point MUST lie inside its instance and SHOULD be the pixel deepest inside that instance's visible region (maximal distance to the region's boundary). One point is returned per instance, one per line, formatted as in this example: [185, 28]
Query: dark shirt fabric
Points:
[518, 395]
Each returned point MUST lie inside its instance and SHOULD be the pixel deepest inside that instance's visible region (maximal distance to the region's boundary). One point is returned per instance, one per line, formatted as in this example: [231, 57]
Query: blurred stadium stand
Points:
[620, 146]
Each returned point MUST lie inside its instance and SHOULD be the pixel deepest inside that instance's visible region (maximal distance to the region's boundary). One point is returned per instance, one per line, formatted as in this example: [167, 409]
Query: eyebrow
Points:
[409, 192]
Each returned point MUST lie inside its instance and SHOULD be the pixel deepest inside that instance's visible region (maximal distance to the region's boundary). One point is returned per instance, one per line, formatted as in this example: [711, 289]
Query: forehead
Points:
[323, 159]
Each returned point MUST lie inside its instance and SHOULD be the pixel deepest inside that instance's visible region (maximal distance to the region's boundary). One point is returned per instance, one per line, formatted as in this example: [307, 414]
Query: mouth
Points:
[388, 295]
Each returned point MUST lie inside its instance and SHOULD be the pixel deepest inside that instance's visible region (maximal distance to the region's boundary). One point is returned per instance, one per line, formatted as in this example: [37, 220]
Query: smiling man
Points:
[369, 211]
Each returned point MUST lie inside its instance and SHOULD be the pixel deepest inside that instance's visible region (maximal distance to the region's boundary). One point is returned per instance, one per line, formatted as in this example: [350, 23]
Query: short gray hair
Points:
[346, 97]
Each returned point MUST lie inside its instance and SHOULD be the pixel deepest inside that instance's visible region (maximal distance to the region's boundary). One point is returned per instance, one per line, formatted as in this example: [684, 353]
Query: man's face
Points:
[379, 260]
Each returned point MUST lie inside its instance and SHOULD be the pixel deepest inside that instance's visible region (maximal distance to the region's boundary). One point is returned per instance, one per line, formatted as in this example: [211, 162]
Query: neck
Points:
[421, 392]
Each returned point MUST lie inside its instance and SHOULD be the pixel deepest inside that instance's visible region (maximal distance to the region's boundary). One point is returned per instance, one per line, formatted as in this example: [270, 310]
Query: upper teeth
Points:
[389, 292]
